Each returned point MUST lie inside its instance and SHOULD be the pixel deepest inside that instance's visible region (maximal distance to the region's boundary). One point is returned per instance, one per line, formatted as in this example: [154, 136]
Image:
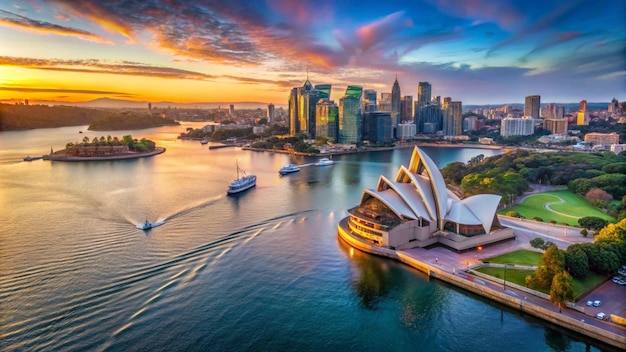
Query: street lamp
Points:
[504, 277]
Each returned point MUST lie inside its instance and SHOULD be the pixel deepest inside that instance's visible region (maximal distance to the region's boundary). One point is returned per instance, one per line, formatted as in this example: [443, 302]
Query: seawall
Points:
[517, 303]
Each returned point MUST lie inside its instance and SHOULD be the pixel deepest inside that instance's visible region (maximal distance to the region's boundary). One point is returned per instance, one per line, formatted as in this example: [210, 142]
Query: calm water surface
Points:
[262, 271]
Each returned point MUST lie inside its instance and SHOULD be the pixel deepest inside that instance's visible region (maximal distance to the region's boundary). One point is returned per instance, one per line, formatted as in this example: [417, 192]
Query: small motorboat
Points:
[148, 225]
[289, 168]
[324, 162]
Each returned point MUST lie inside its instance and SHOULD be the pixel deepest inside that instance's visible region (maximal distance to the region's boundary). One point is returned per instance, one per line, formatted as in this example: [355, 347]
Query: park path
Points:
[561, 201]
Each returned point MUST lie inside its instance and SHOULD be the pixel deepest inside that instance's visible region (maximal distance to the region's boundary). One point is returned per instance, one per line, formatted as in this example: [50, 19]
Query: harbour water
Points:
[260, 271]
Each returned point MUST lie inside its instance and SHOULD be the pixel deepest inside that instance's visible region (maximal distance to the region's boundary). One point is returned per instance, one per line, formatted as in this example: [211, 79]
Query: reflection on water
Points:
[263, 270]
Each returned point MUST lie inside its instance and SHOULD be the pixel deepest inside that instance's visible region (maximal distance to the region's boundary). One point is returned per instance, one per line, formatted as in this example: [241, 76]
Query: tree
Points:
[561, 289]
[537, 242]
[552, 262]
[592, 222]
[576, 261]
[598, 194]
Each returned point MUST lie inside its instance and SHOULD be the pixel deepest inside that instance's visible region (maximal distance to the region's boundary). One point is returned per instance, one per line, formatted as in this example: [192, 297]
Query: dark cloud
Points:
[10, 19]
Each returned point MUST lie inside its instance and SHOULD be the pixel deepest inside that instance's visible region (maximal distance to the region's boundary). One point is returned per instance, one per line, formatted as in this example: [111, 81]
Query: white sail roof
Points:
[420, 191]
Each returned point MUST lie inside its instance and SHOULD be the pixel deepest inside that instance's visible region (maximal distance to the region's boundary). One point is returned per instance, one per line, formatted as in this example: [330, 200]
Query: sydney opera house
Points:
[418, 210]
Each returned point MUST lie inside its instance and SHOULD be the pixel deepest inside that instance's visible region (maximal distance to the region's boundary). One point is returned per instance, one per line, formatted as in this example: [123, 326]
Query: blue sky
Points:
[475, 51]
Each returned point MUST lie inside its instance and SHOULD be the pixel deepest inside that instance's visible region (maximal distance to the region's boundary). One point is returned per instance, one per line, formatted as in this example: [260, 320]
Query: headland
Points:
[62, 155]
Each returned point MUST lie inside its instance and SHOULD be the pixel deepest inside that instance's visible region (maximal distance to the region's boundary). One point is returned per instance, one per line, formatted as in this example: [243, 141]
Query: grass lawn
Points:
[518, 276]
[575, 206]
[522, 257]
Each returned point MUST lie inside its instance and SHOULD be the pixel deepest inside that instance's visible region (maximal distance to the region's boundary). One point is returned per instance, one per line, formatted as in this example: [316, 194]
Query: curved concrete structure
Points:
[417, 208]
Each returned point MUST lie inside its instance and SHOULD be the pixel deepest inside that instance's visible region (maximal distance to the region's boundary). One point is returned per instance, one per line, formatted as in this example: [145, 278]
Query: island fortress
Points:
[417, 210]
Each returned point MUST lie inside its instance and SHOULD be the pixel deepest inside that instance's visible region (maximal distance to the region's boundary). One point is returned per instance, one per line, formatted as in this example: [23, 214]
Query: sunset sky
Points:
[475, 51]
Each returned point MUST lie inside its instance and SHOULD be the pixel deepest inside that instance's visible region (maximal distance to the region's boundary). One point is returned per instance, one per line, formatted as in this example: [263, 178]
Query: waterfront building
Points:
[515, 126]
[327, 119]
[350, 118]
[406, 108]
[271, 113]
[417, 210]
[452, 118]
[423, 94]
[602, 139]
[556, 126]
[472, 123]
[378, 127]
[396, 98]
[531, 106]
[429, 114]
[405, 131]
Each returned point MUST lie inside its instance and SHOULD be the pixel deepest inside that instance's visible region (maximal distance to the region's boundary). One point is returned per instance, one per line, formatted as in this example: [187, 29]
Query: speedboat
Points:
[242, 183]
[324, 162]
[148, 225]
[289, 168]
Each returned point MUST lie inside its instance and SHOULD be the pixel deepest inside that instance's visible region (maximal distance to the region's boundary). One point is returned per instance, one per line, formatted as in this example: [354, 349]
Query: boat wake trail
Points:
[88, 309]
[194, 207]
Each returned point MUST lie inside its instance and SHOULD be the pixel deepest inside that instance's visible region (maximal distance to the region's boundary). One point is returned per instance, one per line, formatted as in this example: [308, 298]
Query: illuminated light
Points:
[480, 248]
[351, 252]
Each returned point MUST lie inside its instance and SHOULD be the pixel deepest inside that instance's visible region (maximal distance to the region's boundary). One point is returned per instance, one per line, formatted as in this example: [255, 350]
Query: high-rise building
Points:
[385, 102]
[350, 119]
[555, 126]
[369, 99]
[514, 126]
[453, 118]
[582, 106]
[613, 106]
[436, 100]
[271, 114]
[406, 108]
[423, 93]
[378, 127]
[560, 112]
[324, 90]
[294, 111]
[531, 106]
[396, 98]
[231, 110]
[428, 119]
[327, 122]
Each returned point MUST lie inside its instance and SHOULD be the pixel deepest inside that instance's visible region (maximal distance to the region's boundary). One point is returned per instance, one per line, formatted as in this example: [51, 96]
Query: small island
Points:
[109, 148]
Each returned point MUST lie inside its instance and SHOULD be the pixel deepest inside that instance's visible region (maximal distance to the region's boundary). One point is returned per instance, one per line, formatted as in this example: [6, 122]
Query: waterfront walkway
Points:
[456, 268]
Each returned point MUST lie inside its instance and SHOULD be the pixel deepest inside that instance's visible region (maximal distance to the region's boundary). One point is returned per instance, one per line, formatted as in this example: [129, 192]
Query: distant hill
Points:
[129, 121]
[23, 117]
[122, 103]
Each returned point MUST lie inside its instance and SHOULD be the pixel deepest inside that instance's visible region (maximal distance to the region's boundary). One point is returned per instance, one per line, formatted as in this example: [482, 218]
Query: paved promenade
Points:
[448, 262]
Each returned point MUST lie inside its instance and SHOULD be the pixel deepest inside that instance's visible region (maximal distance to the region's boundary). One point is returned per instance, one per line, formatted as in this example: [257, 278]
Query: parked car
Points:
[597, 303]
[589, 303]
[622, 282]
[601, 316]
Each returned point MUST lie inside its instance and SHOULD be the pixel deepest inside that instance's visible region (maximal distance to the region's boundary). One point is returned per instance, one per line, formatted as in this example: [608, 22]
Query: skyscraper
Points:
[452, 117]
[406, 108]
[531, 106]
[350, 122]
[396, 97]
[231, 110]
[270, 113]
[327, 123]
[423, 93]
[324, 90]
[582, 106]
[369, 99]
[385, 102]
[294, 107]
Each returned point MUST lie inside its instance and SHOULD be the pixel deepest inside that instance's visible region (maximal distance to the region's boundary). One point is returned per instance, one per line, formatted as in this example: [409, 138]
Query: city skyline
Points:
[478, 52]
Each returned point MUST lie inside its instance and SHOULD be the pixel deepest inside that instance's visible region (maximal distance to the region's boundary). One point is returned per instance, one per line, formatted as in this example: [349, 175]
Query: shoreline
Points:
[55, 157]
[455, 270]
[381, 149]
